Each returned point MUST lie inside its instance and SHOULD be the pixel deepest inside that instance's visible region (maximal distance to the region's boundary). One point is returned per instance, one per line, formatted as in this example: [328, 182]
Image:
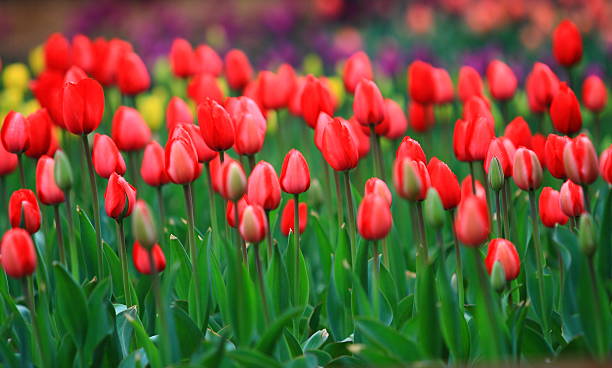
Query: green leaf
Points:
[144, 341]
[315, 340]
[101, 312]
[277, 283]
[341, 267]
[427, 312]
[389, 341]
[178, 254]
[252, 358]
[452, 322]
[71, 305]
[188, 334]
[271, 336]
[88, 241]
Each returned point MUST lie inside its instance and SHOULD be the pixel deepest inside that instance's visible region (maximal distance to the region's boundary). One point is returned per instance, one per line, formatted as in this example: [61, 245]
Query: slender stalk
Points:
[269, 235]
[211, 203]
[378, 162]
[124, 263]
[539, 260]
[162, 211]
[94, 199]
[340, 209]
[74, 256]
[60, 236]
[26, 284]
[505, 201]
[262, 288]
[473, 177]
[421, 225]
[240, 246]
[351, 214]
[2, 197]
[133, 167]
[459, 266]
[296, 237]
[601, 348]
[221, 156]
[162, 324]
[192, 248]
[251, 162]
[22, 181]
[376, 275]
[500, 232]
[587, 202]
[385, 251]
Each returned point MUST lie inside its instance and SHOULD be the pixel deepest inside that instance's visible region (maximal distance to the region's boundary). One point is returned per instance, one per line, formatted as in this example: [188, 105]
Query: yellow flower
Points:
[151, 108]
[272, 122]
[313, 64]
[337, 88]
[11, 99]
[29, 107]
[16, 76]
[37, 59]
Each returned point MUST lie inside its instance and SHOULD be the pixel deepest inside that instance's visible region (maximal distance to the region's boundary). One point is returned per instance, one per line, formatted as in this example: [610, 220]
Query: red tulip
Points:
[411, 179]
[177, 112]
[531, 87]
[374, 218]
[153, 168]
[142, 258]
[476, 108]
[467, 189]
[48, 90]
[471, 139]
[443, 86]
[119, 197]
[132, 75]
[238, 69]
[356, 68]
[233, 180]
[339, 146]
[368, 104]
[395, 123]
[288, 217]
[316, 98]
[580, 160]
[204, 86]
[129, 130]
[538, 144]
[472, 223]
[23, 210]
[503, 251]
[410, 148]
[605, 165]
[14, 134]
[239, 106]
[519, 133]
[74, 75]
[17, 253]
[498, 150]
[253, 224]
[83, 106]
[360, 137]
[263, 186]
[594, 94]
[57, 52]
[420, 117]
[527, 171]
[205, 154]
[106, 157]
[542, 86]
[421, 83]
[182, 58]
[565, 111]
[553, 153]
[8, 161]
[295, 174]
[571, 199]
[319, 129]
[254, 91]
[567, 44]
[83, 52]
[39, 126]
[208, 61]
[46, 189]
[470, 83]
[107, 58]
[250, 135]
[502, 81]
[445, 182]
[277, 89]
[295, 101]
[378, 187]
[216, 125]
[181, 157]
[550, 208]
[229, 210]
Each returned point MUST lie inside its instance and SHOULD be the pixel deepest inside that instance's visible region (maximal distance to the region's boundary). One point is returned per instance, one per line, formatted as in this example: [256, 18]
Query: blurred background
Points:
[393, 32]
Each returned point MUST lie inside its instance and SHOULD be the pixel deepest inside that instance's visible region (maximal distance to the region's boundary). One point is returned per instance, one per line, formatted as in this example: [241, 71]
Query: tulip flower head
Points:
[288, 217]
[295, 174]
[470, 83]
[356, 68]
[132, 75]
[142, 258]
[580, 160]
[230, 212]
[14, 134]
[395, 123]
[46, 189]
[8, 160]
[374, 218]
[57, 52]
[181, 157]
[129, 130]
[518, 132]
[565, 111]
[340, 148]
[605, 165]
[503, 251]
[315, 98]
[143, 224]
[119, 197]
[467, 189]
[17, 253]
[368, 105]
[471, 139]
[504, 153]
[567, 44]
[40, 133]
[106, 157]
[204, 86]
[216, 125]
[472, 221]
[527, 171]
[264, 187]
[445, 182]
[83, 106]
[542, 86]
[177, 112]
[501, 80]
[421, 117]
[153, 167]
[412, 149]
[378, 186]
[411, 179]
[238, 69]
[571, 199]
[23, 210]
[594, 94]
[253, 224]
[233, 180]
[549, 206]
[182, 58]
[421, 83]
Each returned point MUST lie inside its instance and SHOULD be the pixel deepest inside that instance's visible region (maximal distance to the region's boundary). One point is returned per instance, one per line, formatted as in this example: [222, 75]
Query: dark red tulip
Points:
[263, 186]
[356, 68]
[57, 52]
[527, 171]
[471, 139]
[410, 148]
[142, 258]
[208, 61]
[129, 130]
[411, 179]
[181, 157]
[472, 223]
[421, 83]
[132, 75]
[83, 52]
[316, 98]
[443, 86]
[374, 218]
[14, 134]
[177, 112]
[467, 188]
[567, 43]
[216, 125]
[295, 174]
[119, 197]
[445, 182]
[571, 199]
[17, 253]
[8, 161]
[378, 187]
[204, 86]
[230, 213]
[368, 104]
[395, 123]
[580, 160]
[538, 144]
[23, 210]
[549, 206]
[420, 117]
[565, 111]
[543, 85]
[553, 153]
[339, 146]
[288, 217]
[238, 69]
[106, 157]
[153, 168]
[46, 189]
[470, 83]
[182, 58]
[502, 81]
[253, 224]
[83, 106]
[519, 133]
[594, 94]
[108, 54]
[233, 180]
[503, 251]
[605, 165]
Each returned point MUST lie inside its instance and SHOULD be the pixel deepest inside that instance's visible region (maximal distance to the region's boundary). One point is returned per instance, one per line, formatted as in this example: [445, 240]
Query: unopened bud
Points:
[498, 277]
[496, 175]
[586, 235]
[62, 171]
[143, 225]
[434, 210]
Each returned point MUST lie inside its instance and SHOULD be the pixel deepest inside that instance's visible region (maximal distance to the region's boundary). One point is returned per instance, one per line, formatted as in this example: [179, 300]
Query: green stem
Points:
[269, 235]
[385, 252]
[192, 249]
[124, 264]
[600, 333]
[251, 162]
[500, 233]
[22, 181]
[162, 211]
[473, 177]
[459, 266]
[240, 246]
[74, 256]
[350, 215]
[378, 162]
[539, 260]
[162, 326]
[376, 275]
[296, 237]
[340, 208]
[60, 235]
[587, 202]
[211, 203]
[94, 199]
[26, 283]
[133, 167]
[506, 216]
[421, 225]
[262, 288]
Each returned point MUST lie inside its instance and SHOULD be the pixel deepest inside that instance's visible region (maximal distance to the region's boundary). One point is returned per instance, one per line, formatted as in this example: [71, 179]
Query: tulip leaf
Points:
[315, 340]
[178, 254]
[188, 335]
[452, 323]
[144, 341]
[604, 253]
[100, 311]
[427, 312]
[252, 358]
[277, 283]
[271, 335]
[88, 241]
[389, 341]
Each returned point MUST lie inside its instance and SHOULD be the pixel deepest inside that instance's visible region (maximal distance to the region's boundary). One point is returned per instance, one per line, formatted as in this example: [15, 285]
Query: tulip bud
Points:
[204, 86]
[549, 206]
[57, 52]
[594, 94]
[565, 111]
[496, 175]
[498, 277]
[253, 224]
[469, 84]
[445, 182]
[177, 112]
[411, 179]
[264, 187]
[368, 104]
[469, 145]
[62, 171]
[434, 211]
[504, 252]
[129, 130]
[216, 125]
[377, 186]
[181, 156]
[395, 123]
[580, 160]
[40, 131]
[443, 86]
[250, 134]
[47, 190]
[538, 142]
[295, 174]
[83, 106]
[356, 68]
[472, 222]
[153, 167]
[142, 258]
[132, 75]
[571, 199]
[14, 134]
[605, 165]
[119, 197]
[503, 150]
[421, 86]
[502, 81]
[518, 132]
[527, 171]
[567, 43]
[374, 219]
[553, 153]
[233, 180]
[542, 86]
[412, 149]
[230, 212]
[238, 69]
[106, 157]
[315, 98]
[288, 217]
[420, 117]
[143, 225]
[182, 58]
[17, 253]
[23, 210]
[586, 235]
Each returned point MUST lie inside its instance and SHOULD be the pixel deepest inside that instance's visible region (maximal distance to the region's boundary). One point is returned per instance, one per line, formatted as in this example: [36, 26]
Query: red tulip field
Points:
[208, 210]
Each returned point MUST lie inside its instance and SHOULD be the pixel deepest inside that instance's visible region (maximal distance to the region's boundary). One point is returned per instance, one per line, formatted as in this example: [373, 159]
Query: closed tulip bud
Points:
[605, 165]
[421, 83]
[368, 104]
[467, 189]
[40, 131]
[129, 130]
[316, 98]
[132, 75]
[57, 52]
[250, 135]
[142, 258]
[264, 187]
[594, 94]
[377, 186]
[46, 189]
[253, 224]
[295, 174]
[472, 221]
[8, 160]
[238, 69]
[411, 179]
[181, 158]
[288, 217]
[496, 175]
[502, 81]
[143, 225]
[471, 139]
[74, 75]
[83, 106]
[434, 211]
[177, 112]
[62, 171]
[412, 149]
[538, 142]
[580, 160]
[374, 218]
[230, 213]
[216, 125]
[565, 111]
[153, 167]
[204, 153]
[339, 146]
[23, 210]
[498, 277]
[420, 117]
[208, 61]
[119, 197]
[395, 123]
[445, 182]
[356, 68]
[14, 134]
[204, 86]
[319, 129]
[567, 44]
[586, 235]
[444, 86]
[571, 199]
[17, 253]
[470, 83]
[545, 85]
[277, 89]
[519, 133]
[106, 157]
[553, 153]
[233, 180]
[83, 53]
[550, 208]
[108, 54]
[498, 150]
[504, 252]
[527, 171]
[182, 58]
[477, 107]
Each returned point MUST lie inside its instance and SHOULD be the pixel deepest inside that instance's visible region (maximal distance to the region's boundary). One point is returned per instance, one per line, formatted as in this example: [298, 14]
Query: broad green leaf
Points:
[452, 322]
[427, 313]
[252, 358]
[101, 312]
[177, 254]
[271, 336]
[389, 341]
[144, 341]
[71, 305]
[88, 241]
[315, 340]
[188, 334]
